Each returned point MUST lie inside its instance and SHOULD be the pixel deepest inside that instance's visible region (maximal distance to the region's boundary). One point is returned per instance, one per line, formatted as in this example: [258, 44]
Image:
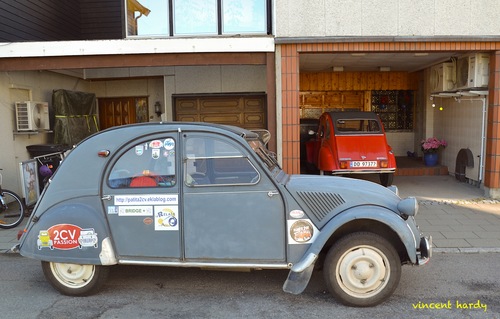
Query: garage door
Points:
[247, 111]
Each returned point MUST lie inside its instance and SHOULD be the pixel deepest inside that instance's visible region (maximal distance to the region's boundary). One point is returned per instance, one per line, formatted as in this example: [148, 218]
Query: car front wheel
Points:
[362, 269]
[75, 279]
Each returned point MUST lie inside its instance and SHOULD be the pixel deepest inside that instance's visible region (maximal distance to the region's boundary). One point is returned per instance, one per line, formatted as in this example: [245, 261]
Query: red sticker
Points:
[64, 236]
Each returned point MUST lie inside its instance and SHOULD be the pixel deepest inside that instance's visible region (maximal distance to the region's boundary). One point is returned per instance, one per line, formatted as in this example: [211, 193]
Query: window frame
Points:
[132, 147]
[192, 158]
[170, 16]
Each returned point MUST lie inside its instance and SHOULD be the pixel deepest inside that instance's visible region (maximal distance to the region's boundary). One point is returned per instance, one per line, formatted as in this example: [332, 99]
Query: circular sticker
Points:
[169, 144]
[301, 231]
[172, 221]
[155, 144]
[296, 213]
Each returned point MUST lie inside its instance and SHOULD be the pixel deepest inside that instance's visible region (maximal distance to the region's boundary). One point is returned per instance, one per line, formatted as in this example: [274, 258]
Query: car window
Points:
[148, 164]
[212, 161]
[357, 126]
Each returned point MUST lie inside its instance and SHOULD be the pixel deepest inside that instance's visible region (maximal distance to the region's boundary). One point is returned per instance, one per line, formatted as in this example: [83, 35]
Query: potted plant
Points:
[430, 147]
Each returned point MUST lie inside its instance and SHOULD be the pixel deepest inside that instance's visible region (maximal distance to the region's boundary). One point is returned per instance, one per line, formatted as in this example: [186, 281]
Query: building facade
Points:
[263, 64]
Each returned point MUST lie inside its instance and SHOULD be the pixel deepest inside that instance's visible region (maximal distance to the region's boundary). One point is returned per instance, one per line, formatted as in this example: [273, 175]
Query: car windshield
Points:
[267, 156]
[358, 126]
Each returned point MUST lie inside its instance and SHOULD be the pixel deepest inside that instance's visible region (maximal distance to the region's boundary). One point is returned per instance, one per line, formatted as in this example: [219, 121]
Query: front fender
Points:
[376, 213]
[73, 231]
[300, 273]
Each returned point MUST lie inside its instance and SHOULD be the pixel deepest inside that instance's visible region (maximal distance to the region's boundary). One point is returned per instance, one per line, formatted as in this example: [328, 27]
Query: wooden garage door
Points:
[246, 111]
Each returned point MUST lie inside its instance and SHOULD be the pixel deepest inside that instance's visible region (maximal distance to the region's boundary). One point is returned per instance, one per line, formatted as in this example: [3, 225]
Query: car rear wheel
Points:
[386, 179]
[75, 279]
[362, 269]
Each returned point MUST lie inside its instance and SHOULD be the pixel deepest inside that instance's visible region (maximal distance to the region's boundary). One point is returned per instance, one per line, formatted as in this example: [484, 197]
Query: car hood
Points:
[322, 195]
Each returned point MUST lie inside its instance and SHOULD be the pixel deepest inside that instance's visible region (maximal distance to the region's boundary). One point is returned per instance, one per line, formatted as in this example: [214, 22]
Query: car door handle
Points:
[272, 193]
[106, 197]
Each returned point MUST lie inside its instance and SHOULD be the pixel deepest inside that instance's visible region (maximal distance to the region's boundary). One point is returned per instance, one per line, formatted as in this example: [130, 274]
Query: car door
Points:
[232, 209]
[141, 197]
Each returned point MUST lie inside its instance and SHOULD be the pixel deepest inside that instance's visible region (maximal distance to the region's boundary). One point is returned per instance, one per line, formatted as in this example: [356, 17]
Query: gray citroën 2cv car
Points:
[204, 195]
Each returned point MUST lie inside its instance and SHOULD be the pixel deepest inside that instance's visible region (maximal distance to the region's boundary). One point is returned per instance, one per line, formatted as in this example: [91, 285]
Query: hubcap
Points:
[363, 271]
[73, 275]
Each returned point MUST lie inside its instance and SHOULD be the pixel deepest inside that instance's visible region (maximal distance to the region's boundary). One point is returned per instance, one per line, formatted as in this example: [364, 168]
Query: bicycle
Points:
[11, 208]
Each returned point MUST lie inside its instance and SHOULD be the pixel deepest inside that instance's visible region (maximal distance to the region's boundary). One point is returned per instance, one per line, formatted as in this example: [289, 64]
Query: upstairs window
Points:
[197, 17]
[147, 17]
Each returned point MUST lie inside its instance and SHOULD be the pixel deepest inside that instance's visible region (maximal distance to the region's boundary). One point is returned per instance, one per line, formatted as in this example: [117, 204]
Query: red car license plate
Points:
[361, 164]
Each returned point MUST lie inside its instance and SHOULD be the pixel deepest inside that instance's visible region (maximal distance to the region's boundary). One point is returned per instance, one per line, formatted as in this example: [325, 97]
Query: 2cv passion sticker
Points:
[67, 236]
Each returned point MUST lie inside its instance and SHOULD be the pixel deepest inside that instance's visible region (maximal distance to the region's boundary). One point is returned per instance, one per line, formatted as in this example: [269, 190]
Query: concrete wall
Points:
[38, 86]
[213, 79]
[404, 18]
[150, 87]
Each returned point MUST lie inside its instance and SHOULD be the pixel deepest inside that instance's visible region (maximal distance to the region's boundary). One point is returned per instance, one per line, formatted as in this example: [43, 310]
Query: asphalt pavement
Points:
[457, 215]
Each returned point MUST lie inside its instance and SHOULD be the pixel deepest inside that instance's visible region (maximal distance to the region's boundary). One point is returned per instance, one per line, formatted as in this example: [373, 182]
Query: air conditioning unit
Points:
[473, 71]
[442, 77]
[32, 116]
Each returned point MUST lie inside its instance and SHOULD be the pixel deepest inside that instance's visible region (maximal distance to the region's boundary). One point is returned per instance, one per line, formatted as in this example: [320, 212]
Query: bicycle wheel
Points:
[11, 209]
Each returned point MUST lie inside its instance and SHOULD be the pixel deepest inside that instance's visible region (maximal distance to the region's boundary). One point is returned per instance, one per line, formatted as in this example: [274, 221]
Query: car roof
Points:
[353, 115]
[247, 134]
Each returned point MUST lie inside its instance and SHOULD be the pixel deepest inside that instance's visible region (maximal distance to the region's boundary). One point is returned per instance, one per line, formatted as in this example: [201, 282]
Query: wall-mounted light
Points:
[158, 110]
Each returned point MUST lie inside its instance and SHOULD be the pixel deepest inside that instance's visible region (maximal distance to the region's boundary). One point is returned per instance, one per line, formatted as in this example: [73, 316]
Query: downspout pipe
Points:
[483, 140]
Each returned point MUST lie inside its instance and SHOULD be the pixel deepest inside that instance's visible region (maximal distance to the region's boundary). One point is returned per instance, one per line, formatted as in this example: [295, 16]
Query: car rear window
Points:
[359, 126]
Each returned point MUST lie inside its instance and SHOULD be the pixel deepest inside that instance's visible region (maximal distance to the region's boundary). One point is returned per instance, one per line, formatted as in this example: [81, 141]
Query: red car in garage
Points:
[352, 143]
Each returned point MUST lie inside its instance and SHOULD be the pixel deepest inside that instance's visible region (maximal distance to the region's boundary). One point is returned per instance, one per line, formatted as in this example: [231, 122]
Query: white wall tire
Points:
[362, 269]
[75, 279]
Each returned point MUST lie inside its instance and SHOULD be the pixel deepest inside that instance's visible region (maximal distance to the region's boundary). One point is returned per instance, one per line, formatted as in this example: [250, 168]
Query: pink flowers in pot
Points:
[432, 145]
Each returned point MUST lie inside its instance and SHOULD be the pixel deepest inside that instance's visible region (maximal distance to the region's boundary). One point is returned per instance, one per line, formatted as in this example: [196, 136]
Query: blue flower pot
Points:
[431, 159]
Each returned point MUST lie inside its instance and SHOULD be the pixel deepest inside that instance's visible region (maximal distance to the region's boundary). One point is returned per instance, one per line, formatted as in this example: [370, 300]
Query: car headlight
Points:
[408, 206]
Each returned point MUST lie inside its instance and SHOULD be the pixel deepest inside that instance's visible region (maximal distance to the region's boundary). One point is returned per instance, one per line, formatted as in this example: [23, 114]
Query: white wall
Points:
[460, 124]
[401, 142]
[22, 86]
[404, 18]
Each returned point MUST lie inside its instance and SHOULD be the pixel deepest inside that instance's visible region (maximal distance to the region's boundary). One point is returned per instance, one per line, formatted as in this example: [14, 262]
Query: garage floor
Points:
[414, 166]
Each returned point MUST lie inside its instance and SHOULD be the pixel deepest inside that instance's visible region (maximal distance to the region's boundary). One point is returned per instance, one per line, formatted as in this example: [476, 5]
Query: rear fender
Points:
[326, 160]
[74, 231]
[300, 273]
